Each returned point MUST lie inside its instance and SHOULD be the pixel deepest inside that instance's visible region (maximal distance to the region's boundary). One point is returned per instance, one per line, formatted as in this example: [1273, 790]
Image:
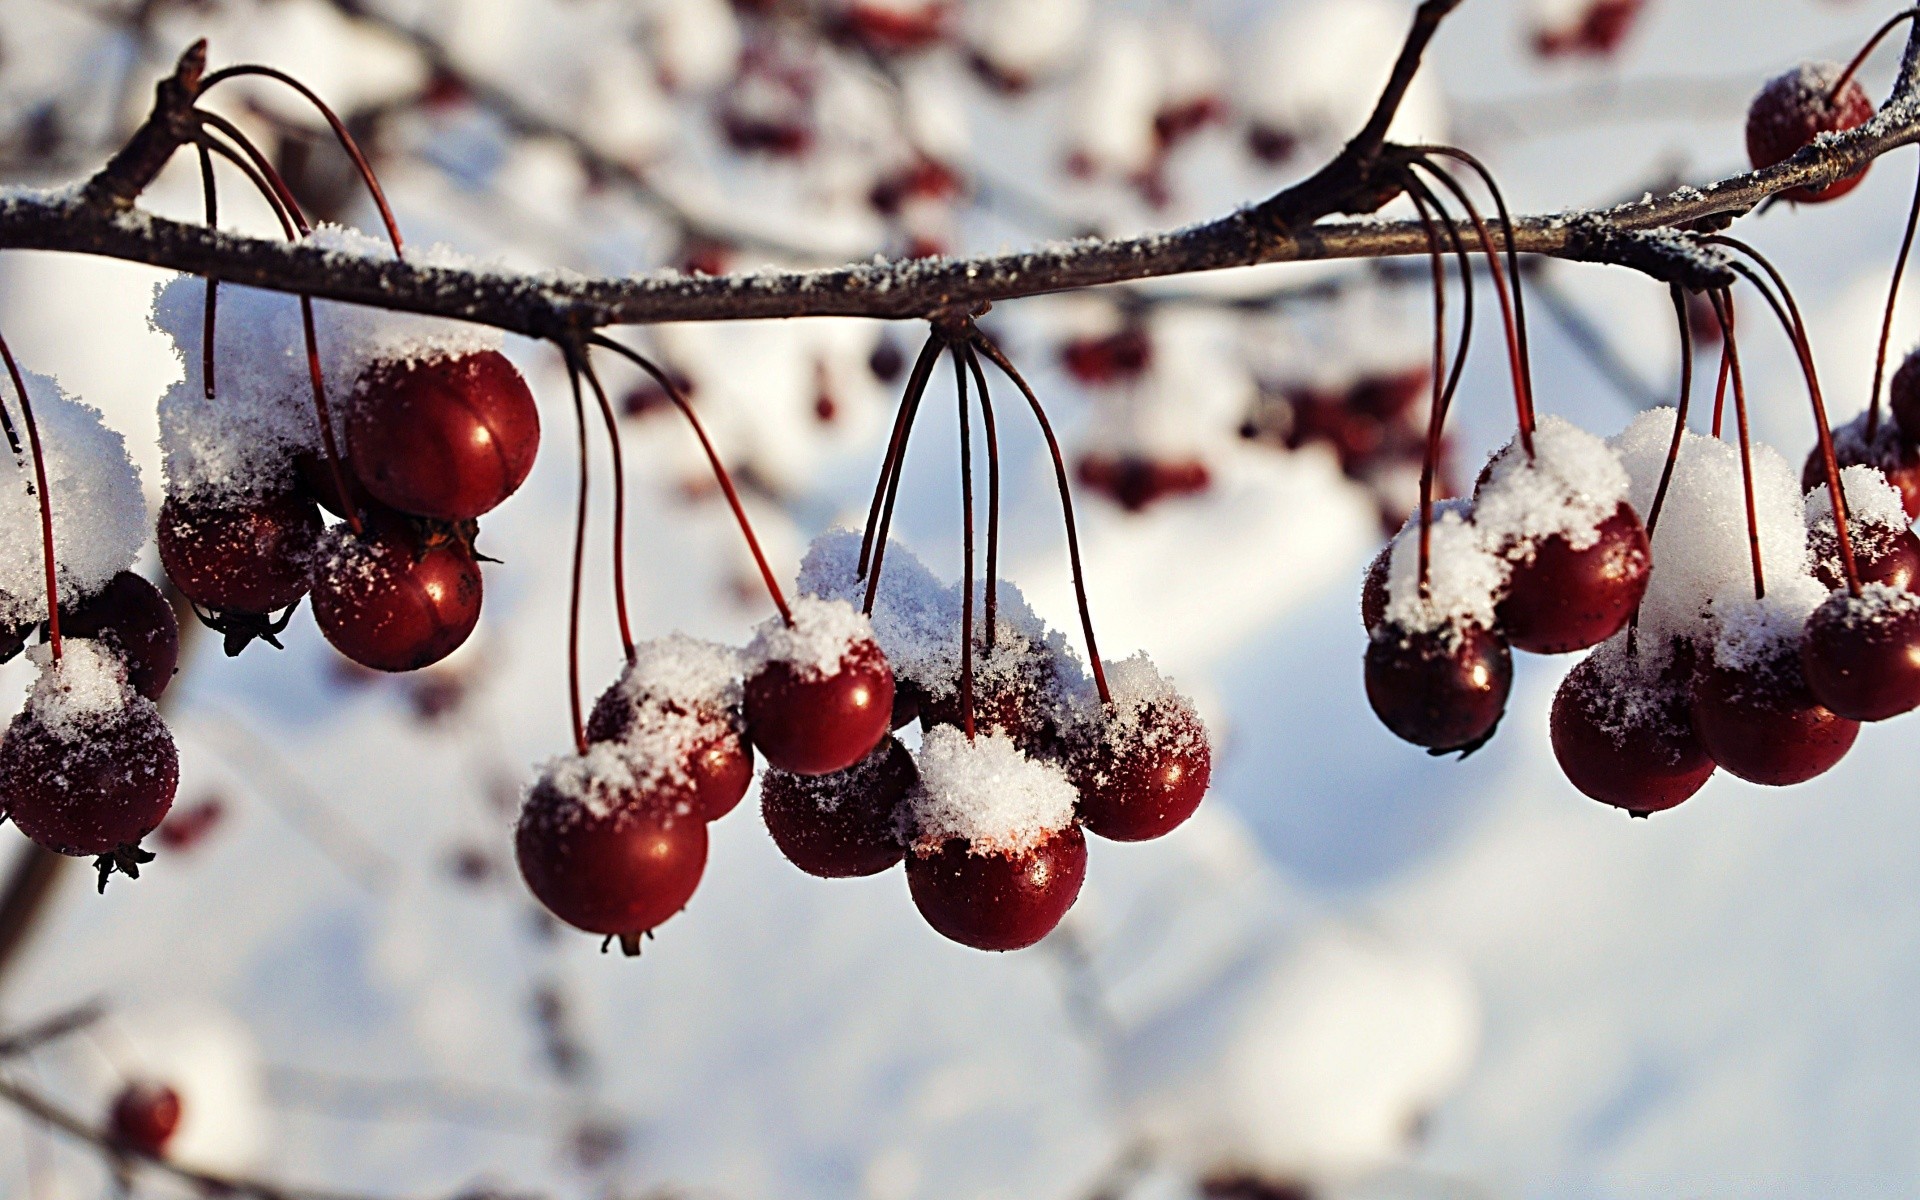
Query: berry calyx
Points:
[1795, 108]
[132, 617]
[610, 846]
[1143, 762]
[1760, 721]
[144, 1117]
[1444, 688]
[396, 596]
[844, 825]
[821, 697]
[1622, 733]
[448, 438]
[1861, 654]
[998, 900]
[245, 554]
[1565, 598]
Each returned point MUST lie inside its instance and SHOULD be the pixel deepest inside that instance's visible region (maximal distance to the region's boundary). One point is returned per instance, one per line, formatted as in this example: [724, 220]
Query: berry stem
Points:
[1426, 204]
[966, 537]
[1720, 389]
[1673, 449]
[1886, 322]
[985, 345]
[1746, 445]
[880, 516]
[679, 399]
[1860, 59]
[579, 560]
[46, 497]
[993, 493]
[619, 507]
[340, 132]
[212, 196]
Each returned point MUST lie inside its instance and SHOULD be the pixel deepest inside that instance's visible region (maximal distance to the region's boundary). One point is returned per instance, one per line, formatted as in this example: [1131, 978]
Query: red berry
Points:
[1142, 773]
[1135, 482]
[719, 760]
[999, 901]
[1598, 30]
[1444, 689]
[132, 616]
[145, 1116]
[247, 555]
[888, 29]
[1762, 723]
[394, 598]
[448, 438]
[846, 824]
[1792, 110]
[1624, 737]
[1560, 599]
[608, 853]
[1109, 358]
[1897, 457]
[813, 723]
[1016, 686]
[89, 787]
[1880, 555]
[1862, 654]
[1373, 589]
[187, 827]
[1903, 396]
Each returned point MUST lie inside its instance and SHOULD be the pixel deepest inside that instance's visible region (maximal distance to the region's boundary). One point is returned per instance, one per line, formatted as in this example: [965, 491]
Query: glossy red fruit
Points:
[844, 825]
[998, 901]
[92, 790]
[1792, 110]
[1880, 555]
[1443, 689]
[1862, 654]
[813, 724]
[144, 1117]
[392, 597]
[1142, 774]
[719, 758]
[448, 438]
[131, 616]
[1626, 738]
[1897, 458]
[1764, 725]
[618, 862]
[246, 555]
[1561, 599]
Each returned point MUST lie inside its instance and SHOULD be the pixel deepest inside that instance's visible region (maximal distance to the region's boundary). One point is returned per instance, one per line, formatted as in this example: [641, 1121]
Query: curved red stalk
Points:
[1427, 205]
[619, 509]
[993, 493]
[1720, 390]
[713, 460]
[1673, 449]
[873, 547]
[966, 523]
[1860, 59]
[1746, 448]
[579, 562]
[1886, 322]
[340, 132]
[46, 497]
[985, 345]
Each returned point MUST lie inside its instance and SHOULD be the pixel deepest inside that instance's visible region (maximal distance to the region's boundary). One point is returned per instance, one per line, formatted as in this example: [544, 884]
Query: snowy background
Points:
[1397, 976]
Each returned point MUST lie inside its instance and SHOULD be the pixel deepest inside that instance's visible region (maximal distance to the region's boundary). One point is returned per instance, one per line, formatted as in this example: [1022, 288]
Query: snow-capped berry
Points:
[818, 693]
[1861, 654]
[131, 616]
[846, 824]
[447, 437]
[1444, 689]
[1890, 451]
[144, 1117]
[609, 845]
[1885, 549]
[1795, 108]
[1752, 707]
[1141, 764]
[1622, 732]
[244, 554]
[680, 700]
[395, 597]
[87, 767]
[998, 900]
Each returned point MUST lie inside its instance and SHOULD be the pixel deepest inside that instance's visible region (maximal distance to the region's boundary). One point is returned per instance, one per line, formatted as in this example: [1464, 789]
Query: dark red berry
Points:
[1880, 555]
[611, 856]
[145, 1116]
[89, 788]
[1015, 690]
[812, 723]
[1625, 737]
[1444, 689]
[1903, 396]
[1561, 599]
[392, 597]
[846, 824]
[131, 616]
[187, 827]
[1108, 358]
[889, 29]
[1373, 589]
[1792, 110]
[314, 479]
[1862, 654]
[719, 759]
[245, 555]
[1142, 773]
[447, 438]
[1135, 482]
[1762, 723]
[999, 901]
[1896, 456]
[1598, 30]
